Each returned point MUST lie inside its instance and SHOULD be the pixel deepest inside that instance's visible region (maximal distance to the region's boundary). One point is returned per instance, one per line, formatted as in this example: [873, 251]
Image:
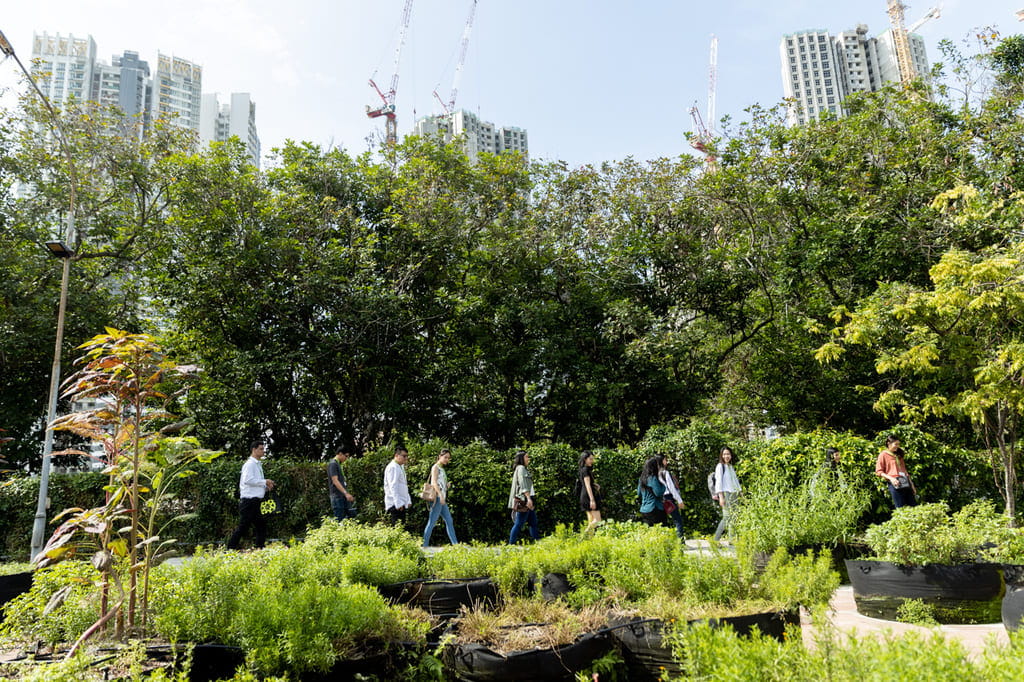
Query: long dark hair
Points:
[583, 458]
[651, 468]
[721, 453]
[520, 458]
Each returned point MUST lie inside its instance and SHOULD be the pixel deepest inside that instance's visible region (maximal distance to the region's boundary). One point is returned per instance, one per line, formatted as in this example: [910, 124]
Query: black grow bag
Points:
[476, 662]
[648, 657]
[552, 585]
[12, 585]
[442, 597]
[963, 593]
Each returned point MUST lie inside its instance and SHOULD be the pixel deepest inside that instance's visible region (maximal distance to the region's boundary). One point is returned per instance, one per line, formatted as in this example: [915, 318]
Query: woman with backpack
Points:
[727, 489]
[588, 491]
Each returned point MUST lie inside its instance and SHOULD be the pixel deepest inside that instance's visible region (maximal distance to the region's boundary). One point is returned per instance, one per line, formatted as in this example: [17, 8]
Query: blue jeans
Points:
[677, 518]
[519, 520]
[343, 509]
[902, 497]
[439, 510]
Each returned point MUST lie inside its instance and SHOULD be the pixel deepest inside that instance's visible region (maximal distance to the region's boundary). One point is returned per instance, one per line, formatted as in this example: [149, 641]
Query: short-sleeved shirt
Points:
[334, 469]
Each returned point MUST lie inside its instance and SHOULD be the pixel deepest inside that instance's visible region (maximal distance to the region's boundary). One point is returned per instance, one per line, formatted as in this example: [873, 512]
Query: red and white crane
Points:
[463, 47]
[702, 135]
[388, 108]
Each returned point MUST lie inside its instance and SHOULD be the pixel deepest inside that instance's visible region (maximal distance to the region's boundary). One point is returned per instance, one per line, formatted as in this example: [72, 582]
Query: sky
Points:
[589, 80]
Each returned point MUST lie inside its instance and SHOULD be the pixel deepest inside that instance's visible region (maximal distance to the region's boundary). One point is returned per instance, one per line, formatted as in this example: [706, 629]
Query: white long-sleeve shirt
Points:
[396, 488]
[252, 483]
[670, 486]
[726, 480]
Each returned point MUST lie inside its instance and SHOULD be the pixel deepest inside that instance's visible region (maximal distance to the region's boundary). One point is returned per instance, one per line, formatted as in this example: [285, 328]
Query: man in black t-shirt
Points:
[342, 501]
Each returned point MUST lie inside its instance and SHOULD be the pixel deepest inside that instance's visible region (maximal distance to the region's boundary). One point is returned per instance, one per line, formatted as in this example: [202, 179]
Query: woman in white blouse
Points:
[727, 488]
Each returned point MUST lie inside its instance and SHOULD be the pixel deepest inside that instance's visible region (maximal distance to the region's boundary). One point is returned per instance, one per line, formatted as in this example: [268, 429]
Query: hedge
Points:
[480, 478]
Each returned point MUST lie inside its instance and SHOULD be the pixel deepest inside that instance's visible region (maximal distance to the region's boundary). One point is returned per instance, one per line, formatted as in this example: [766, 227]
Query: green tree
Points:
[954, 349]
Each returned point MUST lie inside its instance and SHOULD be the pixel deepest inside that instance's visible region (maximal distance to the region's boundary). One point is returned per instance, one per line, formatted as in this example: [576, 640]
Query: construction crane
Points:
[388, 108]
[702, 136]
[933, 13]
[463, 47]
[901, 42]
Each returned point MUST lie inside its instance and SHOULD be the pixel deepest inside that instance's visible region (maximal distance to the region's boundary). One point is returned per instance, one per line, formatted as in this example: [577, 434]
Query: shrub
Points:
[822, 510]
[289, 607]
[27, 618]
[927, 534]
[331, 537]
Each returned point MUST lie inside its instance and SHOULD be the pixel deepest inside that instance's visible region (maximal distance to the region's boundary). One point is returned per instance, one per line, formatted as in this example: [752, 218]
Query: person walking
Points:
[522, 499]
[396, 488]
[439, 506]
[342, 501]
[893, 469]
[651, 491]
[727, 489]
[252, 488]
[589, 491]
[672, 502]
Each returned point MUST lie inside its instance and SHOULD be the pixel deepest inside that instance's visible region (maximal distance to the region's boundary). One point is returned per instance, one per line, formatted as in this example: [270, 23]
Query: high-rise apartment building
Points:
[63, 66]
[66, 67]
[478, 135]
[177, 91]
[819, 70]
[220, 122]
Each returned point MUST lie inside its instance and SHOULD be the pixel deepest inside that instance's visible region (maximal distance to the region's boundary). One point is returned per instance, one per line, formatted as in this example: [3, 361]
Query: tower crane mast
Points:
[901, 41]
[463, 48]
[388, 108]
[702, 135]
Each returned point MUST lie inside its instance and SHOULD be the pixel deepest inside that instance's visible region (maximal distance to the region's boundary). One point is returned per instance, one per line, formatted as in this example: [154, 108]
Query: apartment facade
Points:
[220, 122]
[820, 70]
[478, 136]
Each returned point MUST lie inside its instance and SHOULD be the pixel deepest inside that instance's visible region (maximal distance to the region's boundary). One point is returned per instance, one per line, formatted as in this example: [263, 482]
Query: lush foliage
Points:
[821, 511]
[708, 653]
[71, 586]
[929, 534]
[292, 608]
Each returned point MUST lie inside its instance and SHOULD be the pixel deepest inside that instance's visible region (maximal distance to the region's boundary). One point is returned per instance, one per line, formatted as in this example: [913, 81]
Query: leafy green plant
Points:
[14, 567]
[128, 377]
[821, 510]
[61, 604]
[928, 534]
[916, 612]
[289, 607]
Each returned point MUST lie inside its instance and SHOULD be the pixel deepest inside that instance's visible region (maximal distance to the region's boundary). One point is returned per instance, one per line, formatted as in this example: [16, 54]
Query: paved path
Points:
[846, 619]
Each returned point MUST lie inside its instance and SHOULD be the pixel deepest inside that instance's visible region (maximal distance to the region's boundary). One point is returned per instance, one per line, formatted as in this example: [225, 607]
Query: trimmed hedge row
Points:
[480, 478]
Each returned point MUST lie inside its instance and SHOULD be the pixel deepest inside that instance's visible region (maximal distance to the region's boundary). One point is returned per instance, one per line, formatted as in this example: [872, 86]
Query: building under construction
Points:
[820, 70]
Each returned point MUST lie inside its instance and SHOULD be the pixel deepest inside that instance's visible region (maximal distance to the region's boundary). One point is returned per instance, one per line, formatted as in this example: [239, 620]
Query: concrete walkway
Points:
[846, 620]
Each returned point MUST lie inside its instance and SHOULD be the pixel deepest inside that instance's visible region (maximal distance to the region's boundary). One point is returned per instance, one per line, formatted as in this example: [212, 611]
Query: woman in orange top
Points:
[893, 469]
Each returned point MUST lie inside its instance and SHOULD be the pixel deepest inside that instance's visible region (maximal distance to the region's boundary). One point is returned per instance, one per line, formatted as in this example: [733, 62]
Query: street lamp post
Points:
[62, 250]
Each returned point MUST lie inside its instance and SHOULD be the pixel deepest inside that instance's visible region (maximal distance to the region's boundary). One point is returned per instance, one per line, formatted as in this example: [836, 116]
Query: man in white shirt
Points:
[252, 487]
[396, 489]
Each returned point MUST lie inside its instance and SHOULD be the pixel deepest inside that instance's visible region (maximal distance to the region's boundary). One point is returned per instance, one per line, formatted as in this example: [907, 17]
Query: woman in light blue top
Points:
[727, 489]
[439, 507]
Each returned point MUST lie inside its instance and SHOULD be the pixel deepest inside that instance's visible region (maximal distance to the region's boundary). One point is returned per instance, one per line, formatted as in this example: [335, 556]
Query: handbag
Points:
[428, 493]
[902, 481]
[520, 505]
[669, 505]
[269, 506]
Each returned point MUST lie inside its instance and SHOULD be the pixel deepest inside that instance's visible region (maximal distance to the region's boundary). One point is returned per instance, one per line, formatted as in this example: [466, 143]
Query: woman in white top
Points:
[727, 489]
[672, 491]
[439, 507]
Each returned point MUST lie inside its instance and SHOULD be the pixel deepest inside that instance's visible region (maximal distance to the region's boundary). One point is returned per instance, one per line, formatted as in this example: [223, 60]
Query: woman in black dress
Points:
[590, 491]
